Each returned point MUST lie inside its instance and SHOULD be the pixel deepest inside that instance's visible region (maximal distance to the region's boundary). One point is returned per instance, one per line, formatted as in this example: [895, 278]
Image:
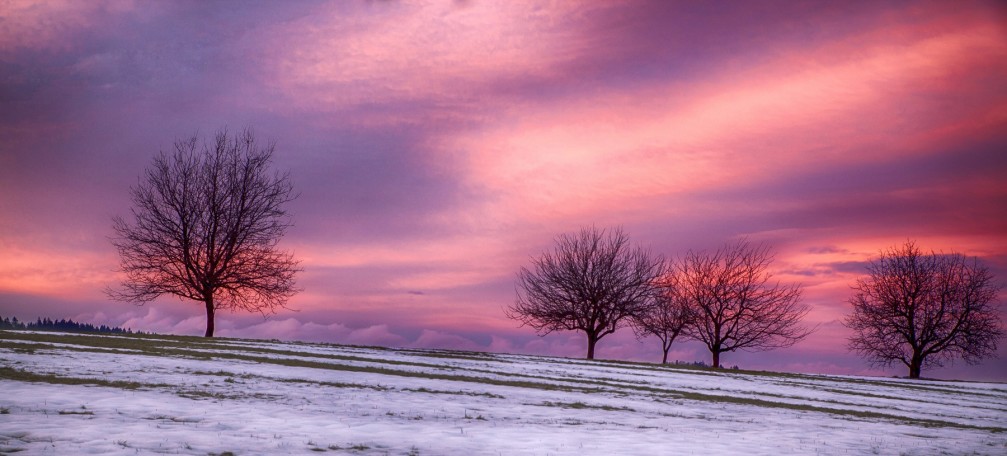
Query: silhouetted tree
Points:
[593, 282]
[205, 224]
[734, 303]
[667, 318]
[924, 310]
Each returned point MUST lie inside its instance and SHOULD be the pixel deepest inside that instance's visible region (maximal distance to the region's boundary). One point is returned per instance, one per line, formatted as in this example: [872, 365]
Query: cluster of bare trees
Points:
[734, 302]
[207, 219]
[595, 282]
[921, 310]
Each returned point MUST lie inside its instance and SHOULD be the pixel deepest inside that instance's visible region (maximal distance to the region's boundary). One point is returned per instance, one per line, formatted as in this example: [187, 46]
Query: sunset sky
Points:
[438, 146]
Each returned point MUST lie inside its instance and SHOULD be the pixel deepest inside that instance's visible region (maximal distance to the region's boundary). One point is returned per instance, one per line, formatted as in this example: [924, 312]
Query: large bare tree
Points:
[924, 309]
[206, 220]
[593, 282]
[735, 303]
[667, 319]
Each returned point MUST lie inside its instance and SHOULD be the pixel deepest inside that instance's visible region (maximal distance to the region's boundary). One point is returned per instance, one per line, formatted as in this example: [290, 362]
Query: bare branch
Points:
[668, 318]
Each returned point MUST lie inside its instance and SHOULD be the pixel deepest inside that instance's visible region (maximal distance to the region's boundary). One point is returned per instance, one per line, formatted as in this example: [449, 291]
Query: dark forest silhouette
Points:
[67, 325]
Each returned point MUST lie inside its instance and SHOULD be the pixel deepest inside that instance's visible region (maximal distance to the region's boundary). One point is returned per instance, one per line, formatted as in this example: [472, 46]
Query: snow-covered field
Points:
[87, 394]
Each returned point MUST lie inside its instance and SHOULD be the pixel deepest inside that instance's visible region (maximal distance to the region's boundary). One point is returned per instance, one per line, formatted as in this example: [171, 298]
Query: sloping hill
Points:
[99, 394]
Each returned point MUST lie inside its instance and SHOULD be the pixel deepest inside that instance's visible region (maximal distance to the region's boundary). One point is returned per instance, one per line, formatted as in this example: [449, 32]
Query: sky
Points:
[439, 146]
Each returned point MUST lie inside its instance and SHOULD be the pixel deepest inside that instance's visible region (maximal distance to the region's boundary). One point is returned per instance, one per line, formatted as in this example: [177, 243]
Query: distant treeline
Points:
[61, 325]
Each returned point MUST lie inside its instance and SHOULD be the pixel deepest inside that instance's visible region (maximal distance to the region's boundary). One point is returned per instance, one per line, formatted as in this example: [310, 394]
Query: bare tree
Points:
[206, 220]
[924, 310]
[593, 282]
[667, 318]
[735, 304]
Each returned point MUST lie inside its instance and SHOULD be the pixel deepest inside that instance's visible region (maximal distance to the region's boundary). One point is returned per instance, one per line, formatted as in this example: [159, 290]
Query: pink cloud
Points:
[44, 25]
[403, 51]
[437, 339]
[613, 151]
[501, 345]
[42, 271]
[376, 335]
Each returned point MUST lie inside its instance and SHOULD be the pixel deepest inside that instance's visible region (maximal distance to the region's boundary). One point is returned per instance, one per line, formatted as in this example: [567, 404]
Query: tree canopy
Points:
[205, 224]
[593, 281]
[923, 310]
[734, 302]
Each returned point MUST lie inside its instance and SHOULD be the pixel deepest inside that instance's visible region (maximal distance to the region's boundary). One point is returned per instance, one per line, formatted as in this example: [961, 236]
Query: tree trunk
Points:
[716, 359]
[592, 339]
[664, 360]
[915, 365]
[209, 317]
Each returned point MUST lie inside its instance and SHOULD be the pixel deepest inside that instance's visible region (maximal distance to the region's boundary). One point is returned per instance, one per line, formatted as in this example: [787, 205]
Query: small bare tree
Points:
[206, 220]
[735, 305]
[667, 318]
[593, 282]
[924, 310]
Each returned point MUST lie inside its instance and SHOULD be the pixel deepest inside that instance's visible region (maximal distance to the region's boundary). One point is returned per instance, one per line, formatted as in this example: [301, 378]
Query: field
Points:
[88, 394]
